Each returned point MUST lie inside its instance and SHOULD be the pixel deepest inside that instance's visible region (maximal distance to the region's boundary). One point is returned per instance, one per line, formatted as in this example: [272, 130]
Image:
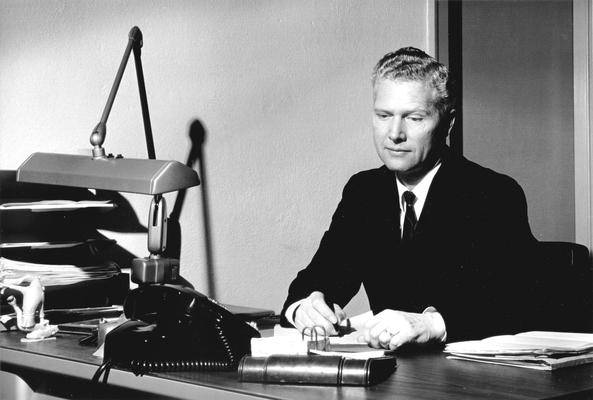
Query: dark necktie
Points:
[410, 217]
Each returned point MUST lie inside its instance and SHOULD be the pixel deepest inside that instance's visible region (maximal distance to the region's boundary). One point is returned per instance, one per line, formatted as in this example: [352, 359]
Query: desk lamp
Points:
[100, 171]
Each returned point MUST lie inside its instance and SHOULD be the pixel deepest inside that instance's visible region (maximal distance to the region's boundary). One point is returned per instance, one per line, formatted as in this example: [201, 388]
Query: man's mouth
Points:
[396, 151]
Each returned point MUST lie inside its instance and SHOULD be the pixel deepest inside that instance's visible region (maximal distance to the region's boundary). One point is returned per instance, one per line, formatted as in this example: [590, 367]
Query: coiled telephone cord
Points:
[141, 367]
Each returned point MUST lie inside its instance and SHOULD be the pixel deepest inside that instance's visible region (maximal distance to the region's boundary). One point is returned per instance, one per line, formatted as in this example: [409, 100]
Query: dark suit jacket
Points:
[467, 258]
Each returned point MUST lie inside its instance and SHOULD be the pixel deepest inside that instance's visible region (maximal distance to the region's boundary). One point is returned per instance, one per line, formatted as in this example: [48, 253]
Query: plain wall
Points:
[518, 101]
[282, 89]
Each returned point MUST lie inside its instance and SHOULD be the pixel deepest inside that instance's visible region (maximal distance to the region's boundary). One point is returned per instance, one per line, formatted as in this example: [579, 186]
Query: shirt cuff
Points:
[289, 314]
[437, 322]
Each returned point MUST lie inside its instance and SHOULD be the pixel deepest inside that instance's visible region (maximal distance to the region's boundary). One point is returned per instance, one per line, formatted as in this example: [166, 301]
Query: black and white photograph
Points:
[339, 199]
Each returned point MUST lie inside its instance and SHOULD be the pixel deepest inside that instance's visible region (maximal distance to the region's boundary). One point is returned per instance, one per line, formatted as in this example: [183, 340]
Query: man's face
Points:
[406, 127]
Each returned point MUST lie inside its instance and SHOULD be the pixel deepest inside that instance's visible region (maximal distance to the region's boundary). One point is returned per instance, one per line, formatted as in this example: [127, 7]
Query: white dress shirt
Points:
[420, 191]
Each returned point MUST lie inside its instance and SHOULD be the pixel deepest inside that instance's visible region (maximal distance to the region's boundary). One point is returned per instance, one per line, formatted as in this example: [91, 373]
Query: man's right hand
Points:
[314, 311]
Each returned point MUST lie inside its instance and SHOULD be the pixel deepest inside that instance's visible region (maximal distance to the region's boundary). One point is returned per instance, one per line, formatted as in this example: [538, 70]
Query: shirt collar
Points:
[420, 190]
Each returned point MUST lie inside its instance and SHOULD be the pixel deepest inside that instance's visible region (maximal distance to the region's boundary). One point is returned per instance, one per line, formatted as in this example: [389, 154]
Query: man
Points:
[436, 240]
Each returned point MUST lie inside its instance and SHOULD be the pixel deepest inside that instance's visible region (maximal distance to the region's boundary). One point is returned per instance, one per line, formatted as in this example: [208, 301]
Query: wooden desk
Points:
[419, 376]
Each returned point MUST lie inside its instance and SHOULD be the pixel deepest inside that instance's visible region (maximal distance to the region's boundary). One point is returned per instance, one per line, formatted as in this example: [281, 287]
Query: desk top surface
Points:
[420, 375]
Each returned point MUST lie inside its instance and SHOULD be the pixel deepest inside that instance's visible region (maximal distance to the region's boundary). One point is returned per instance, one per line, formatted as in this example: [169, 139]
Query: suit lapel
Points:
[388, 203]
[438, 200]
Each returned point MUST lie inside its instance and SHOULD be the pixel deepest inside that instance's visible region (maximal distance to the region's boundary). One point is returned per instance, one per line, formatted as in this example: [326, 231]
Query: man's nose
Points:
[396, 130]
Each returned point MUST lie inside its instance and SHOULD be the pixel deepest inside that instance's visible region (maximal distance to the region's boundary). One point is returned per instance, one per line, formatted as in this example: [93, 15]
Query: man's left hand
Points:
[391, 329]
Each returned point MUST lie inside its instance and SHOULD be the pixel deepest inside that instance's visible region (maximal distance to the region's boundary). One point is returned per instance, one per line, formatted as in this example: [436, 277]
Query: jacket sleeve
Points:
[332, 270]
[498, 268]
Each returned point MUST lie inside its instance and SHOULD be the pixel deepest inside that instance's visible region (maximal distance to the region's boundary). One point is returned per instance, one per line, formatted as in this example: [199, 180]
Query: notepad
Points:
[289, 341]
[544, 350]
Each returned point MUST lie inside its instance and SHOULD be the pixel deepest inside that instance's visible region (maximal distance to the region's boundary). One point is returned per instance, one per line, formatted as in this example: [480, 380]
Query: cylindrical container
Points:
[312, 369]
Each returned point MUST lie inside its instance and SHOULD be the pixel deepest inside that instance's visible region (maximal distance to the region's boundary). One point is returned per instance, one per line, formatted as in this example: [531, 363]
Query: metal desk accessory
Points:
[316, 338]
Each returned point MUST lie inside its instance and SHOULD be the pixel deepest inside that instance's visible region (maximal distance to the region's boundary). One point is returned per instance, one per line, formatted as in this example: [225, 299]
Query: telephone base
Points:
[175, 328]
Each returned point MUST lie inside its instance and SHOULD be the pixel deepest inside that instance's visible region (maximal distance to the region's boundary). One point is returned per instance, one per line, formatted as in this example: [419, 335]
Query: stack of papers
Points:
[14, 272]
[44, 236]
[543, 350]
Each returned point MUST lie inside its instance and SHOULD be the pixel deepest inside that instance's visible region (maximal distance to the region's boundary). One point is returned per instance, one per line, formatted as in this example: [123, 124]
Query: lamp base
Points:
[155, 270]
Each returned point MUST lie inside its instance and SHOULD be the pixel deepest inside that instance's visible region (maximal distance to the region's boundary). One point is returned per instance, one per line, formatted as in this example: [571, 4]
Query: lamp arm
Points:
[143, 99]
[100, 130]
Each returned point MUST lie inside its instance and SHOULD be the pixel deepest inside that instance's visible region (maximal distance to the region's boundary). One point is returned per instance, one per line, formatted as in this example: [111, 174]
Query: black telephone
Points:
[175, 328]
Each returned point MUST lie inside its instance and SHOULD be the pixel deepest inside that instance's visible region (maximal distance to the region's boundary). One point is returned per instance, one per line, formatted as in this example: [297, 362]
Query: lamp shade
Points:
[145, 176]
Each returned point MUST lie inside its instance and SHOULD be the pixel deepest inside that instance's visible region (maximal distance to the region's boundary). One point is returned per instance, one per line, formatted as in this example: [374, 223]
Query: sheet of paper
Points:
[351, 345]
[52, 244]
[57, 205]
[40, 245]
[356, 322]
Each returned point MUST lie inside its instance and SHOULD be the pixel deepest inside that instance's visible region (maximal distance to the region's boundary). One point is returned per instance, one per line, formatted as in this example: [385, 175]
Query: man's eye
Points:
[415, 118]
[382, 115]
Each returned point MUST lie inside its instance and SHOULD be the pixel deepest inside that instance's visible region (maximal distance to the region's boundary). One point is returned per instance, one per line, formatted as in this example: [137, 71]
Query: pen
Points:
[341, 330]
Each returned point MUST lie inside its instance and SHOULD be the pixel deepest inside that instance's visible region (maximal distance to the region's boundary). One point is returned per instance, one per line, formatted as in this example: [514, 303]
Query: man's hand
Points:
[390, 328]
[314, 311]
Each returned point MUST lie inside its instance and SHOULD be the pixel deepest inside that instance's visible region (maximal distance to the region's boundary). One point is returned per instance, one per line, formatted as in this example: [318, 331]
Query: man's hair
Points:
[412, 64]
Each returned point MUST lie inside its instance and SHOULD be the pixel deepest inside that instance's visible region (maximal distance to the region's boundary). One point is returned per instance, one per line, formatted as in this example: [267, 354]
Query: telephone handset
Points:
[175, 328]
